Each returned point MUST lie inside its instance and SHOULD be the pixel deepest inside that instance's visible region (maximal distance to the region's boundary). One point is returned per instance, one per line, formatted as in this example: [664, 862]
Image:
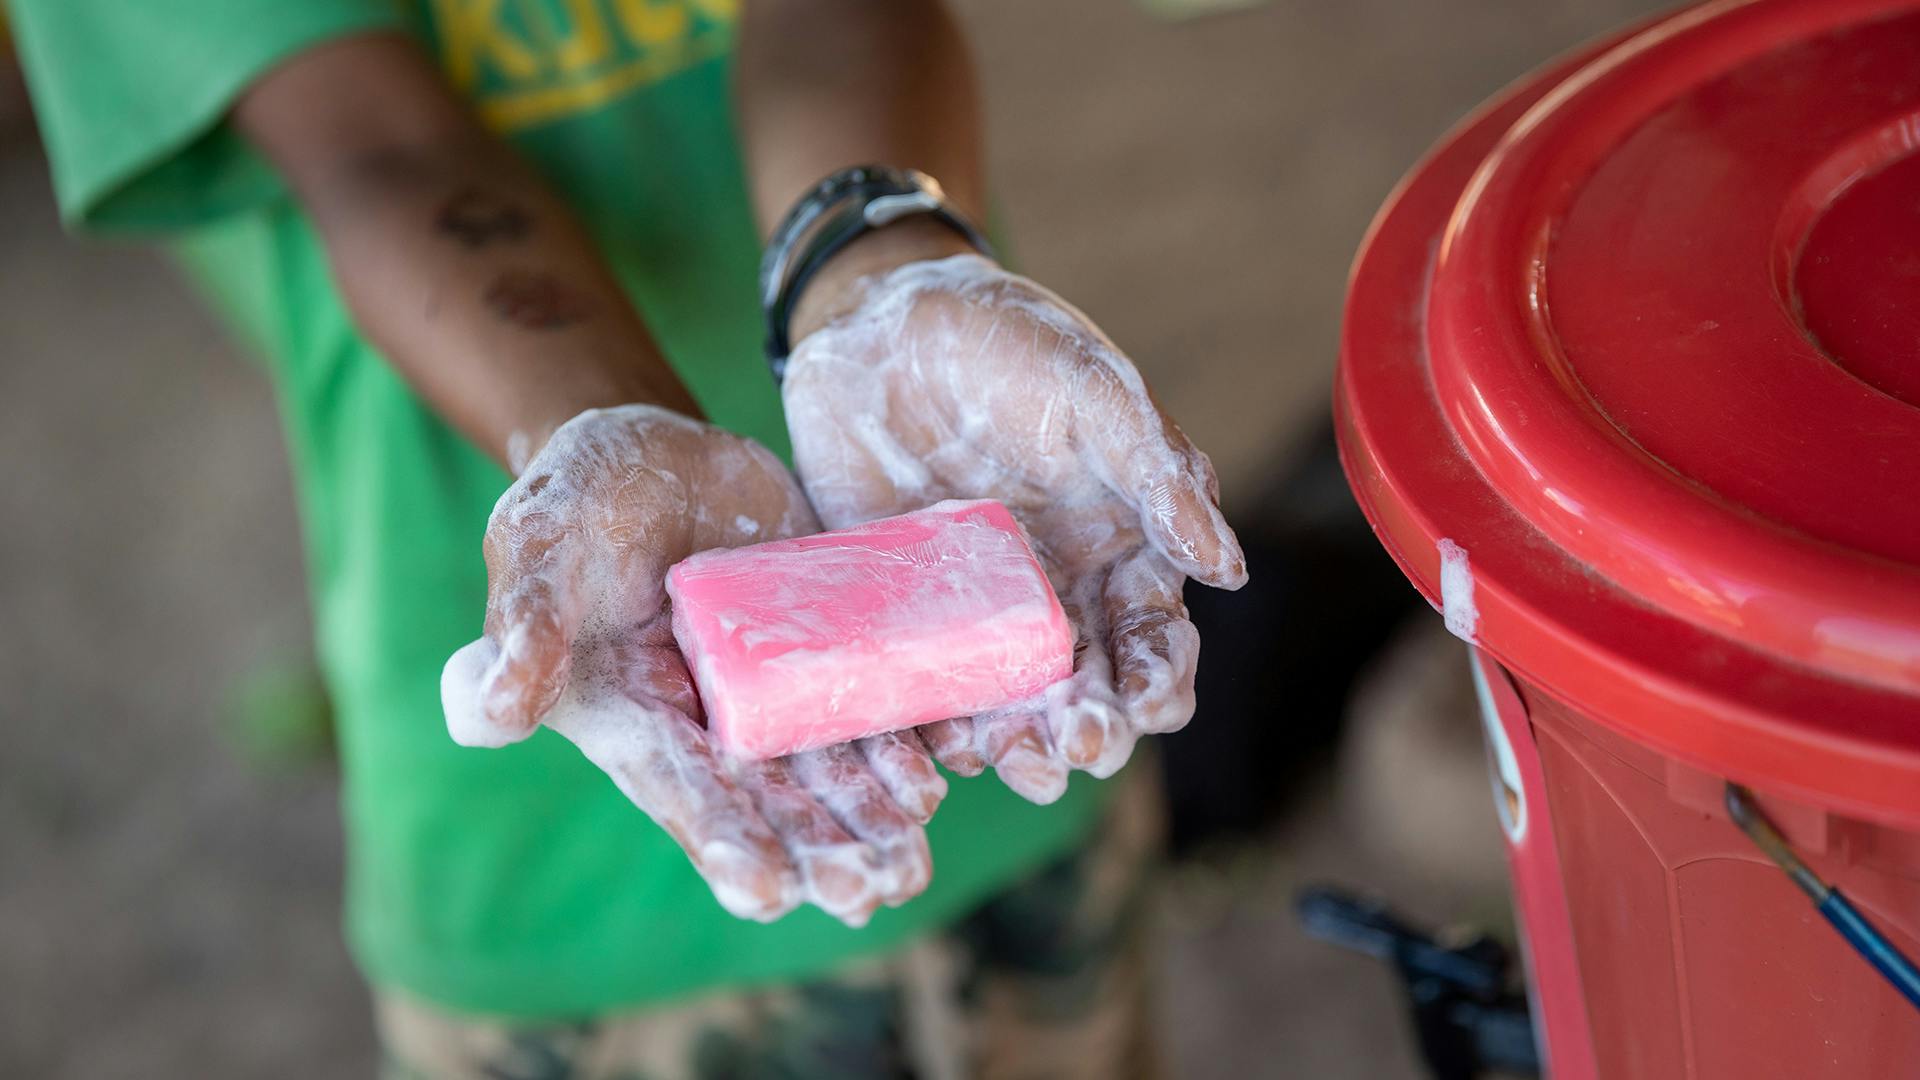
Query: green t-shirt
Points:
[514, 881]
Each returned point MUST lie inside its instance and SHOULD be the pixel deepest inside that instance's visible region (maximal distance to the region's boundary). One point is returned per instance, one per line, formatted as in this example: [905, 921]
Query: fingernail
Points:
[1081, 723]
[838, 887]
[1118, 749]
[965, 763]
[915, 871]
[743, 883]
[907, 862]
[840, 881]
[952, 743]
[1083, 736]
[932, 790]
[1032, 774]
[1233, 562]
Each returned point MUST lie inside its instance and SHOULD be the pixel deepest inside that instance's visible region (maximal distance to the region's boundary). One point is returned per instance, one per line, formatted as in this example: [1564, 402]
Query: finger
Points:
[1169, 482]
[1089, 726]
[843, 782]
[839, 874]
[1015, 743]
[536, 621]
[900, 760]
[953, 744]
[1155, 649]
[1082, 716]
[662, 762]
[1174, 495]
[533, 609]
[652, 668]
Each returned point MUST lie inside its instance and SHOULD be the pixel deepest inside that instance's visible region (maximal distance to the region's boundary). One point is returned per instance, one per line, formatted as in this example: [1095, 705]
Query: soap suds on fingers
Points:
[578, 638]
[460, 697]
[956, 379]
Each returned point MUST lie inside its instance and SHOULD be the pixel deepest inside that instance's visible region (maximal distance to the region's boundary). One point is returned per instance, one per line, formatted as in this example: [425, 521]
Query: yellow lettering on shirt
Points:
[587, 43]
[472, 39]
[653, 22]
[527, 62]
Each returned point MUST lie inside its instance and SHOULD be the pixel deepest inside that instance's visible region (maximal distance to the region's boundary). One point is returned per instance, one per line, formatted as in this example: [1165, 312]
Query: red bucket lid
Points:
[1630, 386]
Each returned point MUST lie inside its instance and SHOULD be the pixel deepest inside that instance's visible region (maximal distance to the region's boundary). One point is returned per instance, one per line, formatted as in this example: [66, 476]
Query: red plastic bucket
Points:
[1630, 388]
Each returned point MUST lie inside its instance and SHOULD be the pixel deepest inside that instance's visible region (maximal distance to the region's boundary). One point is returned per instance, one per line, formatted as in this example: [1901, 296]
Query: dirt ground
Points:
[168, 904]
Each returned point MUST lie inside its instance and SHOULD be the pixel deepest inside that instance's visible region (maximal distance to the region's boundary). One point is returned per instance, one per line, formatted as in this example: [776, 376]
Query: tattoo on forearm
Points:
[536, 300]
[477, 218]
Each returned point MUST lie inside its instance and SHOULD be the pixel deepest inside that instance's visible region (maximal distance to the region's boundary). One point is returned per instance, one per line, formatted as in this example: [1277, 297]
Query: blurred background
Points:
[1196, 176]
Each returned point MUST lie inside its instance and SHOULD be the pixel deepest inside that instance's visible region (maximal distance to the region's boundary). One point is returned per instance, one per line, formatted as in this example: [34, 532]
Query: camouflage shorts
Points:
[1048, 979]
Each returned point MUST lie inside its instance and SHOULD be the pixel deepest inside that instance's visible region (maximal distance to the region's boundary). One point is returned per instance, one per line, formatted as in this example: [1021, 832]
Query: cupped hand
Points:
[578, 636]
[953, 378]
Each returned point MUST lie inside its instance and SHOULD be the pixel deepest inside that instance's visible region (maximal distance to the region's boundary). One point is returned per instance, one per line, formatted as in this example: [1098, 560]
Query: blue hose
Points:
[1872, 944]
[1869, 942]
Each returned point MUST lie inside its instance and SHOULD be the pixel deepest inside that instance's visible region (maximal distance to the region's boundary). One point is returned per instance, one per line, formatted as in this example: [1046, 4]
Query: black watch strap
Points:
[840, 209]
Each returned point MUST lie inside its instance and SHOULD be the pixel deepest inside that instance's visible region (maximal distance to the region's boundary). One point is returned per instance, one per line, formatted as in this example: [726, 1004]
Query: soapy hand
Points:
[578, 636]
[953, 378]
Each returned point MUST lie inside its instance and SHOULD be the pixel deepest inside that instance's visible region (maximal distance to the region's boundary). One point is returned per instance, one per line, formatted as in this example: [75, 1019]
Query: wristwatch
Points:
[837, 211]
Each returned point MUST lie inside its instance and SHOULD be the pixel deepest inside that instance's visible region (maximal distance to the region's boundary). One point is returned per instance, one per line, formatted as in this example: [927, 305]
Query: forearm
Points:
[475, 281]
[462, 266]
[826, 84]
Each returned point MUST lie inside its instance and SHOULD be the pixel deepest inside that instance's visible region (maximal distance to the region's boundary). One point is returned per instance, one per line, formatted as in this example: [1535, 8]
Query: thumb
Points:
[533, 611]
[532, 656]
[1171, 484]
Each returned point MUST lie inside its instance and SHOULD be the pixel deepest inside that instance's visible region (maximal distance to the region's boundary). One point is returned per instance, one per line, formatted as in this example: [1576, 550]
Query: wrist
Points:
[839, 286]
[613, 395]
[639, 424]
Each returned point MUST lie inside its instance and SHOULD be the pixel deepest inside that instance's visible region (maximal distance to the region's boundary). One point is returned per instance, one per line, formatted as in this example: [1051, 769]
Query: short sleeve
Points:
[132, 98]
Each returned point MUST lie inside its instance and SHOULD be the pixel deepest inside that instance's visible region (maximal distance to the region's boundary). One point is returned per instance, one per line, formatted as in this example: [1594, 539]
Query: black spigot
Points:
[1466, 1016]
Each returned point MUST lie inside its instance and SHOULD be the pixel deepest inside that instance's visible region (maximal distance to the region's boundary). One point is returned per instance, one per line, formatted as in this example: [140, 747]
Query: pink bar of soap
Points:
[803, 643]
